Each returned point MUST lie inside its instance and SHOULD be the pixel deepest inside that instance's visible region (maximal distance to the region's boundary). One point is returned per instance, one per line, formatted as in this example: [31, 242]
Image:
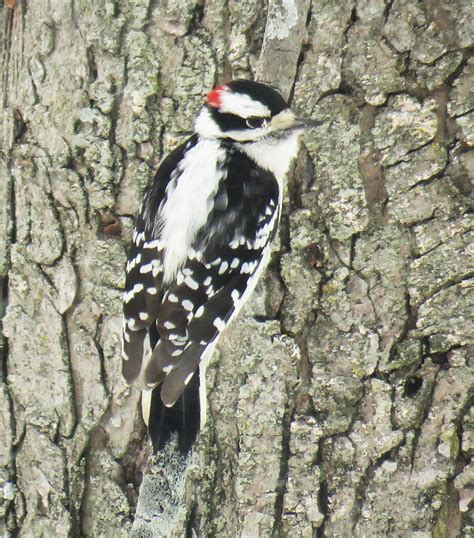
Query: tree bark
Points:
[340, 400]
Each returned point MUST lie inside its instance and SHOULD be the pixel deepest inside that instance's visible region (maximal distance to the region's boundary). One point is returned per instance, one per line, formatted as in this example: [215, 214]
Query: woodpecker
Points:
[200, 244]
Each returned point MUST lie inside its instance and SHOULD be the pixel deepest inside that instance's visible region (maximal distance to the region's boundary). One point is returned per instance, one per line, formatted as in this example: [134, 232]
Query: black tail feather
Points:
[183, 417]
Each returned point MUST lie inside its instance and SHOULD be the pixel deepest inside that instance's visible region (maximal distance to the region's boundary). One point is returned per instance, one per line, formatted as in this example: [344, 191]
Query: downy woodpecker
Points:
[200, 244]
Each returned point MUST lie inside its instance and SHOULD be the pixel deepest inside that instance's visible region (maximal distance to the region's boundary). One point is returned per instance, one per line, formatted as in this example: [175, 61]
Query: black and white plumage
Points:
[200, 244]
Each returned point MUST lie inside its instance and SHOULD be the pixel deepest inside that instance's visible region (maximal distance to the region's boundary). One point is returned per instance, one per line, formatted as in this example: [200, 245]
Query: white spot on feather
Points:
[219, 324]
[156, 243]
[146, 268]
[187, 305]
[191, 283]
[178, 339]
[129, 295]
[210, 291]
[223, 268]
[131, 264]
[235, 295]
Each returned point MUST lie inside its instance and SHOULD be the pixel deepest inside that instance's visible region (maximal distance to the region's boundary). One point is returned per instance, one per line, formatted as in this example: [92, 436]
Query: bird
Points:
[201, 242]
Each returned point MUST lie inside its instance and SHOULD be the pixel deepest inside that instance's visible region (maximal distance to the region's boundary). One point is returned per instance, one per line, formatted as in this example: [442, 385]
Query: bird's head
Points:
[247, 111]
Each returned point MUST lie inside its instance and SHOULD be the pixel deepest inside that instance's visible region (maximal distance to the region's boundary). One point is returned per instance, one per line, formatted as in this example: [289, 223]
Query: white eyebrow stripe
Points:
[242, 105]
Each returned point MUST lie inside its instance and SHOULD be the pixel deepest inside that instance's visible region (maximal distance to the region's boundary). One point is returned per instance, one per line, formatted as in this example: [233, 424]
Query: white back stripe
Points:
[188, 204]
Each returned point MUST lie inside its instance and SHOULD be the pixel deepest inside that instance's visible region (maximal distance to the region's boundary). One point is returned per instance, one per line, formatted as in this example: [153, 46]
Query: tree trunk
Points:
[339, 401]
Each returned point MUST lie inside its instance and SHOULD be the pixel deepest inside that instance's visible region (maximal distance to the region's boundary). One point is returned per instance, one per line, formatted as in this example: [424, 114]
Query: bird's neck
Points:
[272, 155]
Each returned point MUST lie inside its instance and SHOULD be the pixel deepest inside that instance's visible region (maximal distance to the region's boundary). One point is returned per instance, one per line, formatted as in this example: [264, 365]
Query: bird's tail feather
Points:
[183, 418]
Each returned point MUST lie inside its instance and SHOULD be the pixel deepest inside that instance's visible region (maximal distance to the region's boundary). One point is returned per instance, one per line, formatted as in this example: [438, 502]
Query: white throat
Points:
[274, 156]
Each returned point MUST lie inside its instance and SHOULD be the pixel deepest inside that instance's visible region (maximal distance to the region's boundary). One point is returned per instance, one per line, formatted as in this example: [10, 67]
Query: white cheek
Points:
[205, 126]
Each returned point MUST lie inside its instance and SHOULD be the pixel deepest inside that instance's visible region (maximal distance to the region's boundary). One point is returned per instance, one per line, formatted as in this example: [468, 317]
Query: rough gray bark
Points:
[340, 399]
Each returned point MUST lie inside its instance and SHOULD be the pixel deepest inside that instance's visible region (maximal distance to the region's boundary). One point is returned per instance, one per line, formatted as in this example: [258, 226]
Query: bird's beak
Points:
[286, 121]
[305, 124]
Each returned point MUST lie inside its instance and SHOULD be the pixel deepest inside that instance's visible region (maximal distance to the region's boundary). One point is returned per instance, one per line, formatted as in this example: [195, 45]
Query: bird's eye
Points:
[255, 123]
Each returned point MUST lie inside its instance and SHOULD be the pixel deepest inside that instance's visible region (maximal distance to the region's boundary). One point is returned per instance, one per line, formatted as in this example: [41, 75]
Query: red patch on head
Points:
[214, 98]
